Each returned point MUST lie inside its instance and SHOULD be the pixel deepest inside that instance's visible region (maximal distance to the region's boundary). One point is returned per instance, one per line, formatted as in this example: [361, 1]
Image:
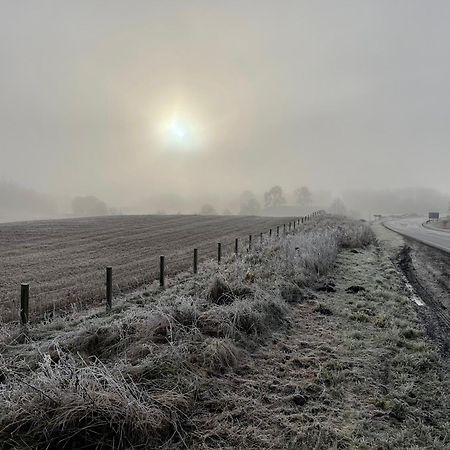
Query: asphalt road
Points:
[413, 228]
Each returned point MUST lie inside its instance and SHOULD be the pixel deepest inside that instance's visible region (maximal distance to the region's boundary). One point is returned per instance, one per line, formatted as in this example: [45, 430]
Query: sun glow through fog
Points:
[181, 132]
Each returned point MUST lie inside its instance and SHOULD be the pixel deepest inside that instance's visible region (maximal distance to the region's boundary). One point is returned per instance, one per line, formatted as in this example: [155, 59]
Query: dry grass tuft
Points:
[217, 355]
[220, 292]
[74, 404]
[291, 292]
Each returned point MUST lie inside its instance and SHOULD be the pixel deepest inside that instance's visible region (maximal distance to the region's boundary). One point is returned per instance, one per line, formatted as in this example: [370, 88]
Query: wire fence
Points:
[183, 262]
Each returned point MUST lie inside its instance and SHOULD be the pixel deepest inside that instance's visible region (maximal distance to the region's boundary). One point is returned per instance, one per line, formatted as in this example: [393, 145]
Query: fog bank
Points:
[131, 101]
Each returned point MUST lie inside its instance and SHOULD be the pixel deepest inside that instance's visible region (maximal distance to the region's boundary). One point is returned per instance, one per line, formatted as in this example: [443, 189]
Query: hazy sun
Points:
[181, 132]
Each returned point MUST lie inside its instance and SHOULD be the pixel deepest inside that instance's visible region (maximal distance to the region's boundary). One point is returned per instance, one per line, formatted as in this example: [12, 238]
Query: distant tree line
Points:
[89, 206]
[249, 205]
[18, 202]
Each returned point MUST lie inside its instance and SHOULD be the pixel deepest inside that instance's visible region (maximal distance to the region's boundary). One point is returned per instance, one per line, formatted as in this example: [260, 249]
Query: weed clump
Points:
[219, 292]
[291, 293]
[217, 355]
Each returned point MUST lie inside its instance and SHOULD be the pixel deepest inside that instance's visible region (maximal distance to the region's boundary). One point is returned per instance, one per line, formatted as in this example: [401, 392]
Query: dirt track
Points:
[64, 260]
[427, 269]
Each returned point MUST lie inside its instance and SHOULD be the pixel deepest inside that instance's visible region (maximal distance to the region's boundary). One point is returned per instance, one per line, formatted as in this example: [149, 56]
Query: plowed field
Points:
[64, 260]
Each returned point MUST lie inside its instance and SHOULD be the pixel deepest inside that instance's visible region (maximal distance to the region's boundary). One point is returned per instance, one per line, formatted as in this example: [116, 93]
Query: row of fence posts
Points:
[25, 287]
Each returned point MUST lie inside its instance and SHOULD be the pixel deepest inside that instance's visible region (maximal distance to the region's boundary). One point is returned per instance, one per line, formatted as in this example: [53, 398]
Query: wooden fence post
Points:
[195, 260]
[219, 252]
[249, 242]
[261, 237]
[284, 228]
[24, 303]
[270, 233]
[236, 246]
[161, 271]
[278, 230]
[108, 288]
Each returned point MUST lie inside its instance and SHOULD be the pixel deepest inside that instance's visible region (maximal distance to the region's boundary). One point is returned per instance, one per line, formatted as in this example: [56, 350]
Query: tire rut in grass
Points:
[435, 318]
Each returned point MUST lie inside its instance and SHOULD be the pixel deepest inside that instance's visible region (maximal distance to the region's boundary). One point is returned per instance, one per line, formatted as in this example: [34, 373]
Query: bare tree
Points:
[17, 202]
[89, 206]
[274, 197]
[249, 204]
[208, 210]
[303, 196]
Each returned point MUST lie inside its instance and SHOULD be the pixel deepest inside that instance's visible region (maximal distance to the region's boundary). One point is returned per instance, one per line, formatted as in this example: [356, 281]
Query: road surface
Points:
[413, 228]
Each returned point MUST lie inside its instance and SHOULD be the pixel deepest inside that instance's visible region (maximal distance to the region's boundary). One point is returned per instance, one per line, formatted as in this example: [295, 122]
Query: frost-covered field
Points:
[64, 260]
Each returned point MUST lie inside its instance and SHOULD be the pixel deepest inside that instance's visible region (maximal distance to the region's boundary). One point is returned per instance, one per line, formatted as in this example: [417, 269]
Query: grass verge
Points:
[135, 378]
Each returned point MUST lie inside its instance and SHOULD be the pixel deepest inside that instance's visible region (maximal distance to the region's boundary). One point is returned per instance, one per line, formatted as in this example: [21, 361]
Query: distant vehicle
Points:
[433, 216]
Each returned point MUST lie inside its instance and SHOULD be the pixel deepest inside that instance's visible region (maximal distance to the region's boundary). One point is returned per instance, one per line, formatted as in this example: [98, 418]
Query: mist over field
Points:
[176, 107]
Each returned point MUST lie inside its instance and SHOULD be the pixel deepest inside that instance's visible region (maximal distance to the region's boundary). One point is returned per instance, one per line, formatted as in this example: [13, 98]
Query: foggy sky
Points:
[331, 94]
